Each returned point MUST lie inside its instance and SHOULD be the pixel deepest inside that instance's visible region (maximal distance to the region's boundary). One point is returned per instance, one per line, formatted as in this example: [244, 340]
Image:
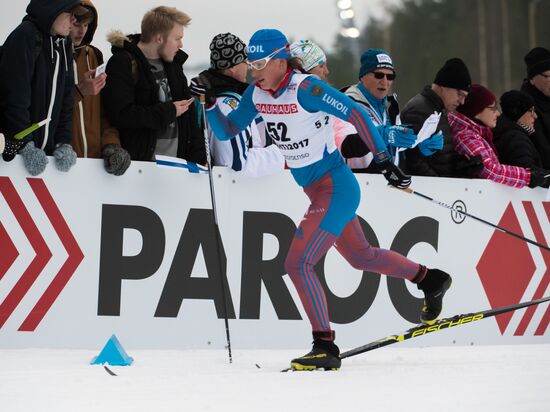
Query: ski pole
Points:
[423, 196]
[216, 229]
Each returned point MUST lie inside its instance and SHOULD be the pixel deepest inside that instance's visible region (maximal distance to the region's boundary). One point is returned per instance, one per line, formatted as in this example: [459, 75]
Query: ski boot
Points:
[434, 285]
[324, 355]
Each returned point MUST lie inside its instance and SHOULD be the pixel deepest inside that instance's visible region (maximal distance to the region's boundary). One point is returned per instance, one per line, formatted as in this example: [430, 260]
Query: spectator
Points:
[513, 131]
[537, 85]
[448, 90]
[357, 155]
[472, 136]
[247, 153]
[92, 135]
[36, 85]
[146, 96]
[313, 58]
[376, 77]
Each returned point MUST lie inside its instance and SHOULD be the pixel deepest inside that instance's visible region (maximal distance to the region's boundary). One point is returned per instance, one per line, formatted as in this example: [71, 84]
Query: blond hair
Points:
[161, 20]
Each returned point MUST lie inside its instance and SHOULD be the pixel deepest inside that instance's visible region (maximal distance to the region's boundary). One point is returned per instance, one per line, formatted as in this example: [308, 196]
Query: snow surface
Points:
[472, 378]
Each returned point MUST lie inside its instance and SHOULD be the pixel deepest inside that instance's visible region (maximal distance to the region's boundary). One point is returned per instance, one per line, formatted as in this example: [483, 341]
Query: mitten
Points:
[35, 159]
[117, 160]
[11, 147]
[65, 157]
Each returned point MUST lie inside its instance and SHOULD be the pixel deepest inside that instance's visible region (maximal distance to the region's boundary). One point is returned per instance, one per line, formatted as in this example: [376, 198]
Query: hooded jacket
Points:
[34, 87]
[91, 130]
[131, 102]
[541, 137]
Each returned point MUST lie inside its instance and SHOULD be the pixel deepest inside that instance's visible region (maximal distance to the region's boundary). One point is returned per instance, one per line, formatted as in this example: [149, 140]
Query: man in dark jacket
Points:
[448, 90]
[537, 85]
[36, 80]
[147, 96]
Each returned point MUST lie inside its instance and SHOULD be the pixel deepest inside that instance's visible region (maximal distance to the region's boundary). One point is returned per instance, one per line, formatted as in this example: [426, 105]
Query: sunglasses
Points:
[261, 63]
[380, 76]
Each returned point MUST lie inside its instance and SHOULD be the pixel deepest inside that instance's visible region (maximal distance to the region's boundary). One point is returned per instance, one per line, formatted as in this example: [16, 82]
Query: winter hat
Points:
[226, 51]
[266, 41]
[537, 61]
[515, 104]
[454, 74]
[309, 53]
[478, 99]
[375, 59]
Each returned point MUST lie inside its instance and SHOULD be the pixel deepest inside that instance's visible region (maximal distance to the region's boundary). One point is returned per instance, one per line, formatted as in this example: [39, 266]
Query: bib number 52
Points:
[277, 131]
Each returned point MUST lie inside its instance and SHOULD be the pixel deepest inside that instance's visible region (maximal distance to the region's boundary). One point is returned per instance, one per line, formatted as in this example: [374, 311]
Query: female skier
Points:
[296, 109]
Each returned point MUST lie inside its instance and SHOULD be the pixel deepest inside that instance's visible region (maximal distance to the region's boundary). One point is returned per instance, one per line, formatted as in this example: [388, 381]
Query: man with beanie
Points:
[537, 85]
[36, 81]
[147, 97]
[247, 152]
[472, 136]
[514, 128]
[376, 77]
[448, 90]
[92, 135]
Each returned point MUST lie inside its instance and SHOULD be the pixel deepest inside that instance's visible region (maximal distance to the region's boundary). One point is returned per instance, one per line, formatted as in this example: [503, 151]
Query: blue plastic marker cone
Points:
[112, 353]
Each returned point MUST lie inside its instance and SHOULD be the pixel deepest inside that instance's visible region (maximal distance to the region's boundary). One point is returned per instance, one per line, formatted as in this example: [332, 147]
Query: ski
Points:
[441, 324]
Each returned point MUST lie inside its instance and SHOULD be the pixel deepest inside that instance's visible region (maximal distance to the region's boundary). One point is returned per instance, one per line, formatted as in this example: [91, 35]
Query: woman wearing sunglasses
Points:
[472, 136]
[297, 108]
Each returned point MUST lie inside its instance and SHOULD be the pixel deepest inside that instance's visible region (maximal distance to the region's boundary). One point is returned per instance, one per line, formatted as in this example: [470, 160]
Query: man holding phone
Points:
[147, 95]
[93, 137]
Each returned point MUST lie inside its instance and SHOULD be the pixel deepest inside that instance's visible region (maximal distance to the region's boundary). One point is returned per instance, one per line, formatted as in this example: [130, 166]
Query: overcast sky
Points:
[314, 19]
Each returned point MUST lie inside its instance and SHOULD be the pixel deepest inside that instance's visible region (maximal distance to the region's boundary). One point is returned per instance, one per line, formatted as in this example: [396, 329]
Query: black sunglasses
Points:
[380, 75]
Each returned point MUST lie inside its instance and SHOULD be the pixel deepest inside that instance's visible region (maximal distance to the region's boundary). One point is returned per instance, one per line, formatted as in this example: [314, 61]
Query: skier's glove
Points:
[34, 158]
[201, 86]
[65, 157]
[432, 145]
[117, 160]
[401, 136]
[394, 175]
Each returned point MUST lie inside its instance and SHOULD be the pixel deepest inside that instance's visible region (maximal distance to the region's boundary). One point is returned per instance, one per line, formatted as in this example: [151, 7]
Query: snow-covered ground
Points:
[472, 378]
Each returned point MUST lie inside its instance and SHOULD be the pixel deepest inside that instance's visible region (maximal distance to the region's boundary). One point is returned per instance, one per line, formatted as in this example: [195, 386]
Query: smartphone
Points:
[100, 69]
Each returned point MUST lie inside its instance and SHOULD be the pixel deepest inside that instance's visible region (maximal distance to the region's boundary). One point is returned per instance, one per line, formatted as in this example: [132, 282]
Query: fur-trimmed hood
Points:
[117, 38]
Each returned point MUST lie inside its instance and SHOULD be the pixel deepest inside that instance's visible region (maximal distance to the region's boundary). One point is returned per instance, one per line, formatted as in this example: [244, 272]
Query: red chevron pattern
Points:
[42, 253]
[506, 268]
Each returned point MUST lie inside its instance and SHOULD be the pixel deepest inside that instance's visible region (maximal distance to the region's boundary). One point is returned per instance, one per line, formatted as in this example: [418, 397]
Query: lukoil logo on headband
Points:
[259, 48]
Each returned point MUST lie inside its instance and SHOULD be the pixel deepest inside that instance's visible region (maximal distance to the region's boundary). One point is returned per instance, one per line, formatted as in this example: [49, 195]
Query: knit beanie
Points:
[478, 99]
[454, 74]
[266, 41]
[226, 51]
[375, 59]
[515, 104]
[309, 53]
[537, 61]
